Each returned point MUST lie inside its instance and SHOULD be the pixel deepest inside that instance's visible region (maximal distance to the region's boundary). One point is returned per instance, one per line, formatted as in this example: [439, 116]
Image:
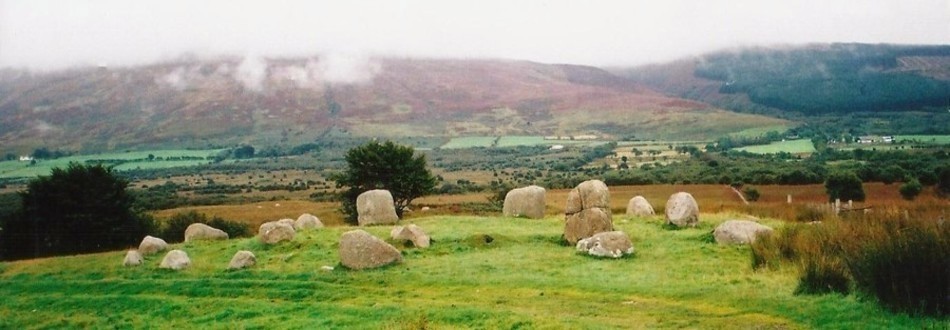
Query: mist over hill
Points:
[266, 101]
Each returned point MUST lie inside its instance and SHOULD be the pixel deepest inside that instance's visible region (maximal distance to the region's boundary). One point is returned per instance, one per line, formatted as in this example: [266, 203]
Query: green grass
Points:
[470, 142]
[935, 139]
[522, 140]
[524, 278]
[131, 160]
[760, 131]
[792, 146]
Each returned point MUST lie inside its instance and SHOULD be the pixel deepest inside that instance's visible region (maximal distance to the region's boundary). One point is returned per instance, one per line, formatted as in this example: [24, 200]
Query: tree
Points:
[77, 209]
[751, 194]
[943, 182]
[910, 189]
[844, 186]
[387, 166]
[243, 152]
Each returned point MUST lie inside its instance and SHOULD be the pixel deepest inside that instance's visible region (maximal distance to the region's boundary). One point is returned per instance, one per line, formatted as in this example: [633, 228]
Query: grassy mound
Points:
[480, 272]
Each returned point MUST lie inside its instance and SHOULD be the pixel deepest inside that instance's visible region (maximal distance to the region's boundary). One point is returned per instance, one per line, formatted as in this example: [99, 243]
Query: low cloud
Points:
[347, 68]
[252, 73]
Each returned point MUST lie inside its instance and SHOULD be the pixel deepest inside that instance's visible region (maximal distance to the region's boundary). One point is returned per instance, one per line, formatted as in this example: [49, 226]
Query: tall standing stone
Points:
[376, 207]
[587, 211]
[682, 210]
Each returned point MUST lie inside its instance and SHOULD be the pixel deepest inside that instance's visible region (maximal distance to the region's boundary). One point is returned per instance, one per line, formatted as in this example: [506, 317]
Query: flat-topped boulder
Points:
[175, 260]
[242, 259]
[152, 245]
[376, 207]
[276, 231]
[611, 244]
[740, 232]
[200, 231]
[639, 206]
[412, 233]
[525, 202]
[682, 210]
[307, 221]
[361, 250]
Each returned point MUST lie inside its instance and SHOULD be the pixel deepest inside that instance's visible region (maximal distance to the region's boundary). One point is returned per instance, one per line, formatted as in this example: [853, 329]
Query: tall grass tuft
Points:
[891, 255]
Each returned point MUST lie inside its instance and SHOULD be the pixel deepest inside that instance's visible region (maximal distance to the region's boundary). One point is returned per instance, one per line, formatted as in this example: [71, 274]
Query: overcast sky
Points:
[50, 34]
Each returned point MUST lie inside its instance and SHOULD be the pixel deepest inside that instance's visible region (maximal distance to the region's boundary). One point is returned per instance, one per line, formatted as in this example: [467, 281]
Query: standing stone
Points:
[275, 231]
[681, 210]
[740, 232]
[376, 207]
[361, 250]
[613, 244]
[151, 245]
[528, 202]
[586, 223]
[639, 206]
[411, 233]
[200, 231]
[307, 221]
[587, 211]
[592, 194]
[289, 222]
[175, 260]
[132, 258]
[242, 259]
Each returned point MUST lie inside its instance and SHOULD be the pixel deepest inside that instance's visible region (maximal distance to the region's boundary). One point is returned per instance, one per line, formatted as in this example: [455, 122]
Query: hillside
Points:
[202, 103]
[817, 79]
[481, 272]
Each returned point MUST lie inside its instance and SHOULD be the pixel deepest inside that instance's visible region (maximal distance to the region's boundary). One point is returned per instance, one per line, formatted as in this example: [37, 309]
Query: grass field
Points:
[934, 139]
[470, 142]
[522, 279]
[760, 131]
[131, 160]
[522, 140]
[802, 146]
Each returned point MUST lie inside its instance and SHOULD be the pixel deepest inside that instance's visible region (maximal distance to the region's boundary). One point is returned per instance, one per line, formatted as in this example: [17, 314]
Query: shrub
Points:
[751, 194]
[173, 230]
[844, 186]
[75, 209]
[910, 189]
[903, 263]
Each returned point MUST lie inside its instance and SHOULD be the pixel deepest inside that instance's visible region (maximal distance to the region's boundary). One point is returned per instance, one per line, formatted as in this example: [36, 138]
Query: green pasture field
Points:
[760, 131]
[470, 142]
[934, 139]
[801, 146]
[523, 140]
[130, 160]
[480, 272]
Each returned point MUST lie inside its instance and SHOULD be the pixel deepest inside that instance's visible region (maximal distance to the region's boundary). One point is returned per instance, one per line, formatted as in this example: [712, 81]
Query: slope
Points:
[202, 103]
[520, 278]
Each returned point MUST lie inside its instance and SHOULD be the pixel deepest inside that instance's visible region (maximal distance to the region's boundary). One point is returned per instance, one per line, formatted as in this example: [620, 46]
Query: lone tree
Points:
[383, 166]
[73, 210]
[844, 186]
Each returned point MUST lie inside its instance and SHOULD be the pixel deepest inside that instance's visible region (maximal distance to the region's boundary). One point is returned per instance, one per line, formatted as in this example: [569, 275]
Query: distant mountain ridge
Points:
[292, 100]
[814, 79]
